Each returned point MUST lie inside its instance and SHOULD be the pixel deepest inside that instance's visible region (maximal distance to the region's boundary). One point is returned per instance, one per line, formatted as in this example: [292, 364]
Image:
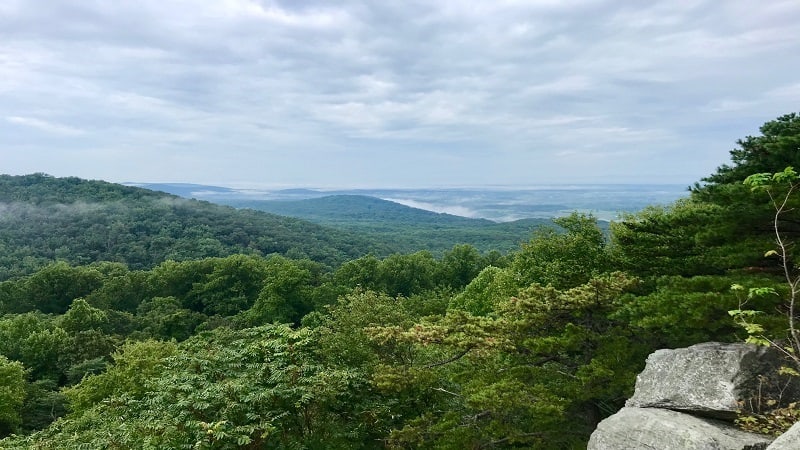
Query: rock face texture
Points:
[709, 379]
[787, 441]
[652, 428]
[687, 399]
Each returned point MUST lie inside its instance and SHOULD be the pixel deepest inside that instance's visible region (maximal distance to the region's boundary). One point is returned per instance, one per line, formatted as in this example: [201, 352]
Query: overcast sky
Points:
[390, 93]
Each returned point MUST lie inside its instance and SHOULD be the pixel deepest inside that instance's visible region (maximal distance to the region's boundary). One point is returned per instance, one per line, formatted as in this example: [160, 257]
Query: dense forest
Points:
[405, 228]
[121, 331]
[43, 219]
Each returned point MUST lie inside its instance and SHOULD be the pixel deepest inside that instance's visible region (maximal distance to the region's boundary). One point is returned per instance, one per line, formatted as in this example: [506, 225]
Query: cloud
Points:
[454, 210]
[788, 92]
[397, 93]
[43, 125]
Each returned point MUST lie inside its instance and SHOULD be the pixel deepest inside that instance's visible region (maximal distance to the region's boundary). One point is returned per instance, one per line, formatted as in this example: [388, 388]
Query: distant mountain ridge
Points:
[389, 215]
[499, 204]
[411, 229]
[349, 207]
[403, 228]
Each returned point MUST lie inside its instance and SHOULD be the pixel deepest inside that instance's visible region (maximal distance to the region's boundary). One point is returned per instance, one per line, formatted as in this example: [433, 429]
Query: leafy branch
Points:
[780, 188]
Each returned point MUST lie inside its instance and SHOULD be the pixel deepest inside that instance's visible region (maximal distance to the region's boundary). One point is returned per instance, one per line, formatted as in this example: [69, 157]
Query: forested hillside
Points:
[347, 208]
[43, 218]
[465, 350]
[409, 229]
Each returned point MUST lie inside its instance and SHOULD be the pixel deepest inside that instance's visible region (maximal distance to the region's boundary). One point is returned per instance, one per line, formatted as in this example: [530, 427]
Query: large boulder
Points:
[790, 440]
[711, 379]
[662, 429]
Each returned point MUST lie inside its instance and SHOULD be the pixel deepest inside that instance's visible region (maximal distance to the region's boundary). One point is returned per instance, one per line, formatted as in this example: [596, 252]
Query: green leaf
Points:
[758, 180]
[788, 371]
[761, 292]
[753, 328]
[758, 341]
[787, 176]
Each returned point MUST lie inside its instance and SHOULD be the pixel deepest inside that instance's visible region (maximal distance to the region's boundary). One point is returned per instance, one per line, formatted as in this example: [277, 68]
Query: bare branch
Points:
[447, 392]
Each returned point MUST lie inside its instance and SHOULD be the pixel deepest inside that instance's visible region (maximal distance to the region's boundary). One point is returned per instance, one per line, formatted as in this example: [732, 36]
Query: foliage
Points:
[779, 187]
[286, 294]
[481, 296]
[519, 376]
[165, 317]
[563, 259]
[52, 288]
[748, 215]
[195, 334]
[254, 388]
[82, 317]
[407, 229]
[12, 394]
[664, 240]
[43, 219]
[722, 226]
[44, 403]
[775, 149]
[679, 311]
[134, 363]
[232, 285]
[773, 422]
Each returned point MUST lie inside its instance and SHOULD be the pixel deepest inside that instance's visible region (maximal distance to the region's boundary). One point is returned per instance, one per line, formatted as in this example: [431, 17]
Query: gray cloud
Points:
[390, 93]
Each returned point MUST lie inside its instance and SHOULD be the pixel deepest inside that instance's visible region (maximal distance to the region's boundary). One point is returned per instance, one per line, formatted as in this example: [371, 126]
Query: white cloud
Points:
[454, 210]
[44, 125]
[245, 90]
[789, 92]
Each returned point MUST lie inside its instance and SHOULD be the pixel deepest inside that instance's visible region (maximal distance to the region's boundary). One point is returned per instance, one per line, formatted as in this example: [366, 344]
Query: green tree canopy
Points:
[12, 394]
[777, 147]
[563, 258]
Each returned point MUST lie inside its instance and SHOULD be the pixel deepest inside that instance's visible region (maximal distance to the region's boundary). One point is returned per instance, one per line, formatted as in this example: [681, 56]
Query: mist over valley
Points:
[498, 204]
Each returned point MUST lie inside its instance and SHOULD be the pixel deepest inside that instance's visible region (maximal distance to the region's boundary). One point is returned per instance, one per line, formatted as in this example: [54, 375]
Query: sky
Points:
[390, 93]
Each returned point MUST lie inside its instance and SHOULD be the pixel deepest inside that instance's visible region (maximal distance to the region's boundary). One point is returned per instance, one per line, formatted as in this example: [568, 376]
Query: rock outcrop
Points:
[787, 441]
[710, 379]
[651, 428]
[687, 399]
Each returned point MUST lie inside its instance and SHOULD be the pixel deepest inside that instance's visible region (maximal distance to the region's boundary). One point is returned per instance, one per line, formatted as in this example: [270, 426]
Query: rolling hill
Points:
[43, 218]
[347, 209]
[406, 228]
[402, 228]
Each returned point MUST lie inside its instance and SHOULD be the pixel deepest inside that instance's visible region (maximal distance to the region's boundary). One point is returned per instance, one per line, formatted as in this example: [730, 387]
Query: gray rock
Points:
[711, 379]
[789, 440]
[662, 429]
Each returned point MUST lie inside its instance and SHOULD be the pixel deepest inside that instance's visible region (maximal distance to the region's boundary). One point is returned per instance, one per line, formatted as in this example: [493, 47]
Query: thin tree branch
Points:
[449, 360]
